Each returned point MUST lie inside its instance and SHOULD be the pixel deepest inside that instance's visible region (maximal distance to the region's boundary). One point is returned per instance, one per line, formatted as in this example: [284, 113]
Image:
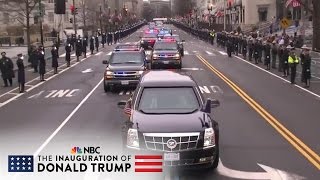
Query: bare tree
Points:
[20, 10]
[316, 25]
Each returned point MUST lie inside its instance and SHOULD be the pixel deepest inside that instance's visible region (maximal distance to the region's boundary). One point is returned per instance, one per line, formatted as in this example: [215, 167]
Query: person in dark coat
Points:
[280, 55]
[229, 46]
[34, 60]
[274, 51]
[256, 52]
[250, 46]
[92, 44]
[244, 46]
[306, 66]
[6, 68]
[68, 54]
[267, 57]
[97, 43]
[285, 64]
[55, 57]
[42, 64]
[109, 39]
[78, 48]
[21, 73]
[84, 46]
[104, 39]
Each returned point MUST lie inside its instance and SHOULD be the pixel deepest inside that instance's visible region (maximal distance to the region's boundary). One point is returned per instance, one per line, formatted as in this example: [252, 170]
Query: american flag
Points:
[148, 163]
[294, 3]
[20, 163]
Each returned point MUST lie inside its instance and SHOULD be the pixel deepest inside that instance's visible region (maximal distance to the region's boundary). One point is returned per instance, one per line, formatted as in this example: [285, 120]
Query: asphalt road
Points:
[269, 129]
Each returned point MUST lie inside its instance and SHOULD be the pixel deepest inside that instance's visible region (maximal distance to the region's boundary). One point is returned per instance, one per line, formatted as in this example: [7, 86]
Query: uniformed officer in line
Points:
[68, 54]
[267, 58]
[281, 49]
[244, 46]
[96, 39]
[116, 37]
[212, 36]
[229, 45]
[42, 63]
[274, 51]
[251, 48]
[55, 57]
[21, 73]
[84, 46]
[109, 38]
[104, 39]
[34, 60]
[235, 44]
[6, 68]
[293, 61]
[78, 48]
[256, 51]
[306, 65]
[260, 49]
[240, 43]
[92, 44]
[285, 58]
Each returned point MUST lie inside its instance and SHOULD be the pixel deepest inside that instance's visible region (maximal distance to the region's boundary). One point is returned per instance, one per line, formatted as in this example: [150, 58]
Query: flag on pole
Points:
[293, 3]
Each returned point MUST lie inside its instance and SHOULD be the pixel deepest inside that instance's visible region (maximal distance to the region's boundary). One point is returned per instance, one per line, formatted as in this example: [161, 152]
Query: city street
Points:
[269, 129]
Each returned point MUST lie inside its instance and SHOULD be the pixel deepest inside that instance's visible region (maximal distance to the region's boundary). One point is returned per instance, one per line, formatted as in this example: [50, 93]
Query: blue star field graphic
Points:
[20, 163]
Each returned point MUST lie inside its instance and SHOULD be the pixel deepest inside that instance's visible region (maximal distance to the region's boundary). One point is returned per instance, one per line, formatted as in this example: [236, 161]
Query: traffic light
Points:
[60, 6]
[73, 10]
[71, 20]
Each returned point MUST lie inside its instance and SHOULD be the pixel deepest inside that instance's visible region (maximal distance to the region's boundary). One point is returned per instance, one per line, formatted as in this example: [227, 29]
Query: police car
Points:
[179, 42]
[148, 38]
[166, 54]
[125, 67]
[170, 117]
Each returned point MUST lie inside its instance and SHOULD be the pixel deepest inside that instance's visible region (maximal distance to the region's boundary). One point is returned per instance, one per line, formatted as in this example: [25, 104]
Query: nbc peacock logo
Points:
[76, 150]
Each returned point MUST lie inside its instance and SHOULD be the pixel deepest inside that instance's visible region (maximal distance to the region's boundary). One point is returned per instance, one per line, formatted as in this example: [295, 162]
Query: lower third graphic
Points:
[20, 163]
[148, 163]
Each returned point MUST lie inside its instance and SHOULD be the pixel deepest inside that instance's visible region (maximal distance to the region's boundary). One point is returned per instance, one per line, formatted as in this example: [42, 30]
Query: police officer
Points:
[97, 43]
[229, 45]
[92, 44]
[6, 68]
[274, 51]
[55, 56]
[293, 61]
[306, 66]
[34, 60]
[78, 48]
[109, 38]
[21, 73]
[285, 58]
[251, 48]
[235, 44]
[84, 46]
[281, 49]
[42, 63]
[244, 47]
[104, 39]
[212, 36]
[267, 58]
[260, 49]
[116, 37]
[256, 51]
[68, 54]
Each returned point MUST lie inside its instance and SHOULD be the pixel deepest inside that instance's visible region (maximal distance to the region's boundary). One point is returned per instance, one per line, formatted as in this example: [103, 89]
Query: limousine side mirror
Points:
[122, 104]
[105, 62]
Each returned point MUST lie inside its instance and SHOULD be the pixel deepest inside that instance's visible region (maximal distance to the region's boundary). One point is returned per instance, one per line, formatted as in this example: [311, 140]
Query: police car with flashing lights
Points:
[166, 54]
[169, 116]
[148, 38]
[124, 67]
[163, 32]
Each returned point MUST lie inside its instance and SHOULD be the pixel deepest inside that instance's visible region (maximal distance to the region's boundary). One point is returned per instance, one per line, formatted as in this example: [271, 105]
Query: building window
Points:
[50, 17]
[263, 13]
[296, 13]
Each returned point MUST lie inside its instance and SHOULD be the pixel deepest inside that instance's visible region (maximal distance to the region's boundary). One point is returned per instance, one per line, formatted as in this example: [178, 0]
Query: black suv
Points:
[124, 68]
[169, 116]
[166, 54]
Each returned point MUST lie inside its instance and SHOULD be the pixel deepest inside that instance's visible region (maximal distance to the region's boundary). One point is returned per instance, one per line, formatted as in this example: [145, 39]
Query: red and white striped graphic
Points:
[148, 163]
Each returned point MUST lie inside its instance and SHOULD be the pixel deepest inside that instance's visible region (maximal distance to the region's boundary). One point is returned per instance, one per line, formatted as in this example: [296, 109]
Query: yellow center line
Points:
[290, 137]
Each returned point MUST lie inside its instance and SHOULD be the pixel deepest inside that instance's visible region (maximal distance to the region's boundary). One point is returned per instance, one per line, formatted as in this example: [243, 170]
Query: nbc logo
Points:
[76, 150]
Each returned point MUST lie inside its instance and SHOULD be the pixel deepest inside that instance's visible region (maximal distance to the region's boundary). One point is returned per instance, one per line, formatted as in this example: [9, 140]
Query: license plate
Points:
[124, 82]
[165, 62]
[171, 156]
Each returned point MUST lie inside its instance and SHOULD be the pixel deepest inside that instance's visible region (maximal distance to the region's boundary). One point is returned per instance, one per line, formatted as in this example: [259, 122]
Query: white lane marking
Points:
[186, 53]
[192, 69]
[210, 53]
[34, 86]
[195, 51]
[63, 55]
[121, 93]
[223, 53]
[317, 95]
[98, 53]
[74, 54]
[88, 53]
[46, 142]
[30, 70]
[13, 93]
[109, 54]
